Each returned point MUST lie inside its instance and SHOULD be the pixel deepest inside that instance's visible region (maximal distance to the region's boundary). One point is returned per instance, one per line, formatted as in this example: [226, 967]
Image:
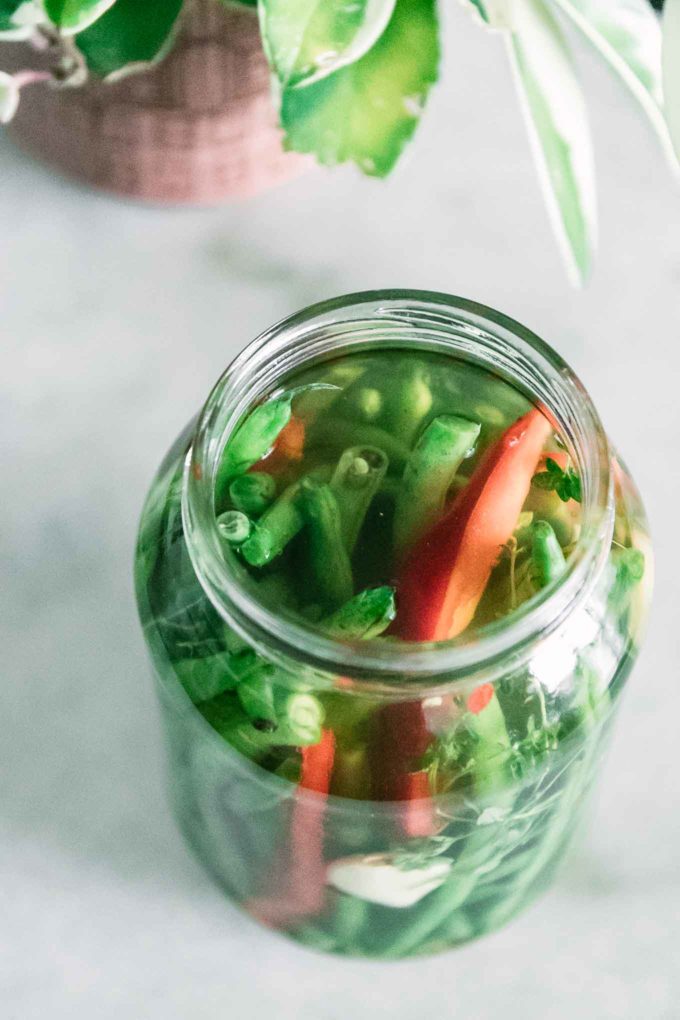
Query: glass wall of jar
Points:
[368, 793]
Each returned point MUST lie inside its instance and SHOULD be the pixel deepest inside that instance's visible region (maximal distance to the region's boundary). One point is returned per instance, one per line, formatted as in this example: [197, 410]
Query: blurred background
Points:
[115, 320]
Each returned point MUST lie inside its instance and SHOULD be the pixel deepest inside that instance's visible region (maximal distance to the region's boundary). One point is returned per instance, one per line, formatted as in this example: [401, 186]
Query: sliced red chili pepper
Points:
[445, 576]
[480, 698]
[304, 887]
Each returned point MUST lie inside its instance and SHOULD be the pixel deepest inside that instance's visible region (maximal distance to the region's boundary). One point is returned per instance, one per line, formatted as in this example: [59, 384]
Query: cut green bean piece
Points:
[252, 494]
[428, 475]
[254, 437]
[355, 482]
[328, 555]
[336, 434]
[234, 527]
[547, 559]
[203, 679]
[275, 529]
[252, 441]
[408, 402]
[256, 695]
[365, 616]
[301, 716]
[299, 723]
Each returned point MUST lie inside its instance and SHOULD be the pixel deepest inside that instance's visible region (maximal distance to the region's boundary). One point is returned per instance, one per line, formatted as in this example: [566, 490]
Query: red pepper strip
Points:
[445, 575]
[289, 446]
[418, 811]
[444, 578]
[306, 881]
[480, 698]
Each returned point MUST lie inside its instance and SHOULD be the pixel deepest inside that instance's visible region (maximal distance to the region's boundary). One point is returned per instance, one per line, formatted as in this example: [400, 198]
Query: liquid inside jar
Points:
[398, 496]
[381, 498]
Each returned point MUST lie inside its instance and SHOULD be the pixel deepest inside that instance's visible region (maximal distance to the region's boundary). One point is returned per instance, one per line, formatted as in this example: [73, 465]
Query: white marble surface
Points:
[114, 322]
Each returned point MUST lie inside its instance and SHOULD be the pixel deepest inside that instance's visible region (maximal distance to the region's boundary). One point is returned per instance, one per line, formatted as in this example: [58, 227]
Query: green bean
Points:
[429, 472]
[434, 911]
[368, 402]
[407, 403]
[234, 527]
[355, 482]
[336, 434]
[492, 750]
[256, 695]
[301, 716]
[252, 494]
[275, 529]
[252, 440]
[365, 616]
[299, 723]
[329, 559]
[203, 679]
[547, 559]
[349, 916]
[254, 437]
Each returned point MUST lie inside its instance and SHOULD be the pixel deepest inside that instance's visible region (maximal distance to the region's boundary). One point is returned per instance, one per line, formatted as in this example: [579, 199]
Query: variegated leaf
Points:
[671, 69]
[306, 40]
[627, 33]
[557, 121]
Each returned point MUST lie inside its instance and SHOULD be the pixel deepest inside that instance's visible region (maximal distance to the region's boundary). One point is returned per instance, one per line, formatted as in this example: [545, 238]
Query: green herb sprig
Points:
[566, 483]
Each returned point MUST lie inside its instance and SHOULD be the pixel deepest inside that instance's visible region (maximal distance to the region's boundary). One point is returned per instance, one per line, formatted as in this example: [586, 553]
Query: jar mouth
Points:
[393, 319]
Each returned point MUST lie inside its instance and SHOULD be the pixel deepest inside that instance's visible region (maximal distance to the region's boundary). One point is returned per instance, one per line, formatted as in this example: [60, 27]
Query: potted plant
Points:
[350, 83]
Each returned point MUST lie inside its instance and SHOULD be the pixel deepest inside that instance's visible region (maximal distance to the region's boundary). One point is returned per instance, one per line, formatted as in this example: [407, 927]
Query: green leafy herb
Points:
[367, 111]
[567, 484]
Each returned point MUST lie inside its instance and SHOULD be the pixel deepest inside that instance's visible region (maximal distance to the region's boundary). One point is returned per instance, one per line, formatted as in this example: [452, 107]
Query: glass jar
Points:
[389, 878]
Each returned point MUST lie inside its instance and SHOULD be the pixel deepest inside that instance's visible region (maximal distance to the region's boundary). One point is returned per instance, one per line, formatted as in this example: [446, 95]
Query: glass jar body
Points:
[374, 857]
[361, 876]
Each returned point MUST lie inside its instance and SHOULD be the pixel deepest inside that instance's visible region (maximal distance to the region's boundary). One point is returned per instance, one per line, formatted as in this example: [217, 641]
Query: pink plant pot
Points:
[198, 128]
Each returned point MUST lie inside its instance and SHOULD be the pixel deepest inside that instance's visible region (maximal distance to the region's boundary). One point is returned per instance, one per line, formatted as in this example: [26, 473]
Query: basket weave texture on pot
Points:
[198, 127]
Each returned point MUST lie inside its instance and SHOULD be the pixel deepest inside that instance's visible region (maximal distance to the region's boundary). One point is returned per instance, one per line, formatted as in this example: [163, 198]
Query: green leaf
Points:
[496, 14]
[671, 69]
[366, 112]
[8, 9]
[627, 33]
[129, 34]
[306, 40]
[71, 16]
[18, 19]
[556, 118]
[544, 480]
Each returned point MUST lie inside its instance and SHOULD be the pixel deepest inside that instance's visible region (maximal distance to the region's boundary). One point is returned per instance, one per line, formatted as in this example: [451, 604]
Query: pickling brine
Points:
[392, 584]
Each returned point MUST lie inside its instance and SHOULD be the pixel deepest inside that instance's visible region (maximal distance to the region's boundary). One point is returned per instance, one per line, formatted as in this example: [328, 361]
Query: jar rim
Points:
[402, 318]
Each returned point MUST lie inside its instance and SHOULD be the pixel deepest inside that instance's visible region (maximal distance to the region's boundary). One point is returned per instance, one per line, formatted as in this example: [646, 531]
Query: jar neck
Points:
[431, 322]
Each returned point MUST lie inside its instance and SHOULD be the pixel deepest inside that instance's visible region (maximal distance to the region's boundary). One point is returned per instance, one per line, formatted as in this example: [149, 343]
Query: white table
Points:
[114, 321]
